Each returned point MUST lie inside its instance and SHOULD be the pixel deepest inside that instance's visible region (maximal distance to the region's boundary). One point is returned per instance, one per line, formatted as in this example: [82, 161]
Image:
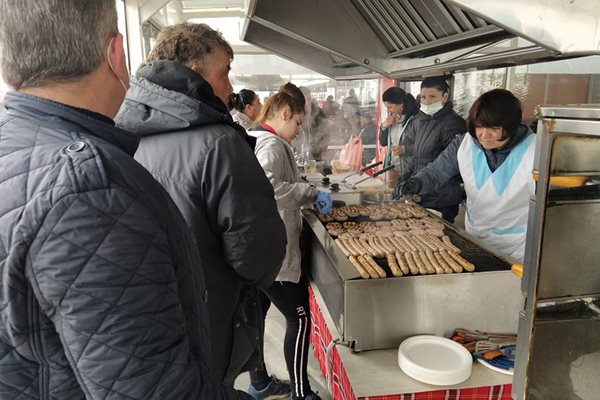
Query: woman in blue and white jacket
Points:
[495, 162]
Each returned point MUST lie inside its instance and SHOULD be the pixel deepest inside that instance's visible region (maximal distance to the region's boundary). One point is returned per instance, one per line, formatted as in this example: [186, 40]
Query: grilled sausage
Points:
[451, 262]
[380, 271]
[434, 262]
[368, 267]
[402, 263]
[443, 263]
[449, 244]
[364, 274]
[464, 263]
[391, 259]
[343, 248]
[411, 263]
[427, 263]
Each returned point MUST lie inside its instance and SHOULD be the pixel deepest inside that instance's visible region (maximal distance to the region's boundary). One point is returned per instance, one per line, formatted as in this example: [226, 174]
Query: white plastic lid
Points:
[434, 360]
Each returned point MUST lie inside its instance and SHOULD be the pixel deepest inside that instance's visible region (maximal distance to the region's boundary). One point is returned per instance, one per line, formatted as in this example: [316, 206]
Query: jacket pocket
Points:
[248, 327]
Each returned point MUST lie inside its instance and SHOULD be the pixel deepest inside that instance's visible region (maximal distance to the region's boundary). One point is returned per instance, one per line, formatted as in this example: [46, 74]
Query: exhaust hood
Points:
[410, 39]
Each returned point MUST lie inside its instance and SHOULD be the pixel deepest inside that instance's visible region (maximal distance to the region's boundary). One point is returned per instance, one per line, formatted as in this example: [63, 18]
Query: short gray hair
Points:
[188, 43]
[53, 41]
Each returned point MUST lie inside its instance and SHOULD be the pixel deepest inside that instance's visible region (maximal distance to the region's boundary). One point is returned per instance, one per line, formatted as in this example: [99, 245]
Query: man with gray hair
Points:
[192, 146]
[101, 296]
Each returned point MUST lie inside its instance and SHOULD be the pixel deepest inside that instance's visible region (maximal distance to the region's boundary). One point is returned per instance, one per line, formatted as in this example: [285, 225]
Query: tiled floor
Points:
[274, 332]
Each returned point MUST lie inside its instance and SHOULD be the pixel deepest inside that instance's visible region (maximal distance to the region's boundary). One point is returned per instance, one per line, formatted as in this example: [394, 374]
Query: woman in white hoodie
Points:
[277, 126]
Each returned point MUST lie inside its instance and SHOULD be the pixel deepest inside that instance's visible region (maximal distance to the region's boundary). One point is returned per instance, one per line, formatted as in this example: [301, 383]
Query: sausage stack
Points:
[401, 235]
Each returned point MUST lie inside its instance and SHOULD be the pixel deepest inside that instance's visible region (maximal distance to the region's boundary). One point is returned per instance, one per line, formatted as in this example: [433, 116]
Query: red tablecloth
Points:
[340, 386]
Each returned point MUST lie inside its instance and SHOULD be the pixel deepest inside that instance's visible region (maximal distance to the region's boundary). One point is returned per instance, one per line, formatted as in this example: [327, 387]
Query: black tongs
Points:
[362, 170]
[382, 171]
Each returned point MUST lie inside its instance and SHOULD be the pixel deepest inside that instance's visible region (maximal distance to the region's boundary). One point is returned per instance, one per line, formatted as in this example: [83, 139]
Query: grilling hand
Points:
[323, 202]
[411, 186]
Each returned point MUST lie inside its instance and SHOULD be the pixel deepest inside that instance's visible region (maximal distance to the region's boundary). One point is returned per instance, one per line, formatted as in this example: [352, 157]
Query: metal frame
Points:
[380, 313]
[561, 319]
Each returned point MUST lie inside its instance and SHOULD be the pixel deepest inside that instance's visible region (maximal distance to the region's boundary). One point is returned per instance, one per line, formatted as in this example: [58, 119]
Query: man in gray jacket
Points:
[206, 162]
[102, 294]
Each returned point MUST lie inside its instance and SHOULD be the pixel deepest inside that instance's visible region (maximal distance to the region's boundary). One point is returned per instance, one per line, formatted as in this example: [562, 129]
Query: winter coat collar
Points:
[179, 78]
[186, 100]
[496, 157]
[93, 123]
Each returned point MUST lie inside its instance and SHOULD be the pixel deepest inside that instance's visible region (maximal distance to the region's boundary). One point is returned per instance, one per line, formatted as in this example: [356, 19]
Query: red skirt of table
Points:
[341, 388]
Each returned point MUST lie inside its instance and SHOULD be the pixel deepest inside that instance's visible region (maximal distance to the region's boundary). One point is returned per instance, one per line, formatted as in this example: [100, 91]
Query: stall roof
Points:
[409, 39]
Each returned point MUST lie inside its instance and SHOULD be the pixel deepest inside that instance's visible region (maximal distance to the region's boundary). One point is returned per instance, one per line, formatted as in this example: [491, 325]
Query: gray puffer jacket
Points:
[424, 139]
[203, 159]
[101, 294]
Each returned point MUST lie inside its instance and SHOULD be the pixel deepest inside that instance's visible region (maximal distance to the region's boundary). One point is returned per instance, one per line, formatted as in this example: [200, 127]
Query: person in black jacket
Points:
[206, 162]
[103, 294]
[428, 134]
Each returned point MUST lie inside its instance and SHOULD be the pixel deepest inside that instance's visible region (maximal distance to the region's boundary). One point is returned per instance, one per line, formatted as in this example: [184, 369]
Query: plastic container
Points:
[435, 360]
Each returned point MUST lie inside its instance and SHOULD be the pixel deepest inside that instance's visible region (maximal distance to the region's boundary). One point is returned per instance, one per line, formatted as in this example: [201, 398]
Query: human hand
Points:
[411, 186]
[323, 202]
[390, 120]
[398, 150]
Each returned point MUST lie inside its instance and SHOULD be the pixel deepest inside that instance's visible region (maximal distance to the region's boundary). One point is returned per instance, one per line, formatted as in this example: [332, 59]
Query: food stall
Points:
[360, 322]
[559, 329]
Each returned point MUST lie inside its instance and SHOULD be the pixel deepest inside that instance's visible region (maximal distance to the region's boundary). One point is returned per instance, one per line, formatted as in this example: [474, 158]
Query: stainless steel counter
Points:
[376, 373]
[380, 313]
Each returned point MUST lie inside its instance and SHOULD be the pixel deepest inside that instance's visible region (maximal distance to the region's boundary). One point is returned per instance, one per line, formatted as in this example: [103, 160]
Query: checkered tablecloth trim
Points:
[339, 384]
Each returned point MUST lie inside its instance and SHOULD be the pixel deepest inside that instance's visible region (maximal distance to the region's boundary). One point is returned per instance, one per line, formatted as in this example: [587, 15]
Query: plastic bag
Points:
[351, 154]
[390, 177]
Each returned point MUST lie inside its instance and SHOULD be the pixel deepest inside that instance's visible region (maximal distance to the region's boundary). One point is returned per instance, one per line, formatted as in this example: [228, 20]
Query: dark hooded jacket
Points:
[101, 294]
[424, 139]
[206, 162]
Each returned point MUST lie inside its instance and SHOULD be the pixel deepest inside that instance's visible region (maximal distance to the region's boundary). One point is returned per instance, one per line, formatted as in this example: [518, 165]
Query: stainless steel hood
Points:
[405, 39]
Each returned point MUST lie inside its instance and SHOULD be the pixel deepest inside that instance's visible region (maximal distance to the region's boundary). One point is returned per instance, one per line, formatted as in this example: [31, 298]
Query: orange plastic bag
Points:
[352, 153]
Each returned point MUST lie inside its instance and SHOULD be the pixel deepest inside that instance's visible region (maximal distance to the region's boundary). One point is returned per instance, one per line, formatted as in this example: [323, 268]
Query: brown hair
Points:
[288, 96]
[496, 108]
[188, 43]
[293, 91]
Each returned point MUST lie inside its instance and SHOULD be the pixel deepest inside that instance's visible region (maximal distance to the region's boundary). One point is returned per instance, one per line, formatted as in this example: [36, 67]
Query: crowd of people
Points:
[147, 223]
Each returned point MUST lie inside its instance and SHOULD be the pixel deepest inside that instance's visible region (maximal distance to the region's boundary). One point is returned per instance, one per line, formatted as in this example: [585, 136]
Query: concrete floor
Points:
[274, 333]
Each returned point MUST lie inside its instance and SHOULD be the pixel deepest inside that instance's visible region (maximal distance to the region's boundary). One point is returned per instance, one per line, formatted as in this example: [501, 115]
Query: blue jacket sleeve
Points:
[444, 167]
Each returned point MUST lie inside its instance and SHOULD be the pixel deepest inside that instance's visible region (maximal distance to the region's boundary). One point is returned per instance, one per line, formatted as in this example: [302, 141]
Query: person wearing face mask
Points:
[432, 129]
[244, 107]
[279, 124]
[495, 161]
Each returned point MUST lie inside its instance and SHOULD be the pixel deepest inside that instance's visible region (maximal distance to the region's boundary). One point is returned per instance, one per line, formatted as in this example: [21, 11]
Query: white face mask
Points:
[111, 67]
[431, 109]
